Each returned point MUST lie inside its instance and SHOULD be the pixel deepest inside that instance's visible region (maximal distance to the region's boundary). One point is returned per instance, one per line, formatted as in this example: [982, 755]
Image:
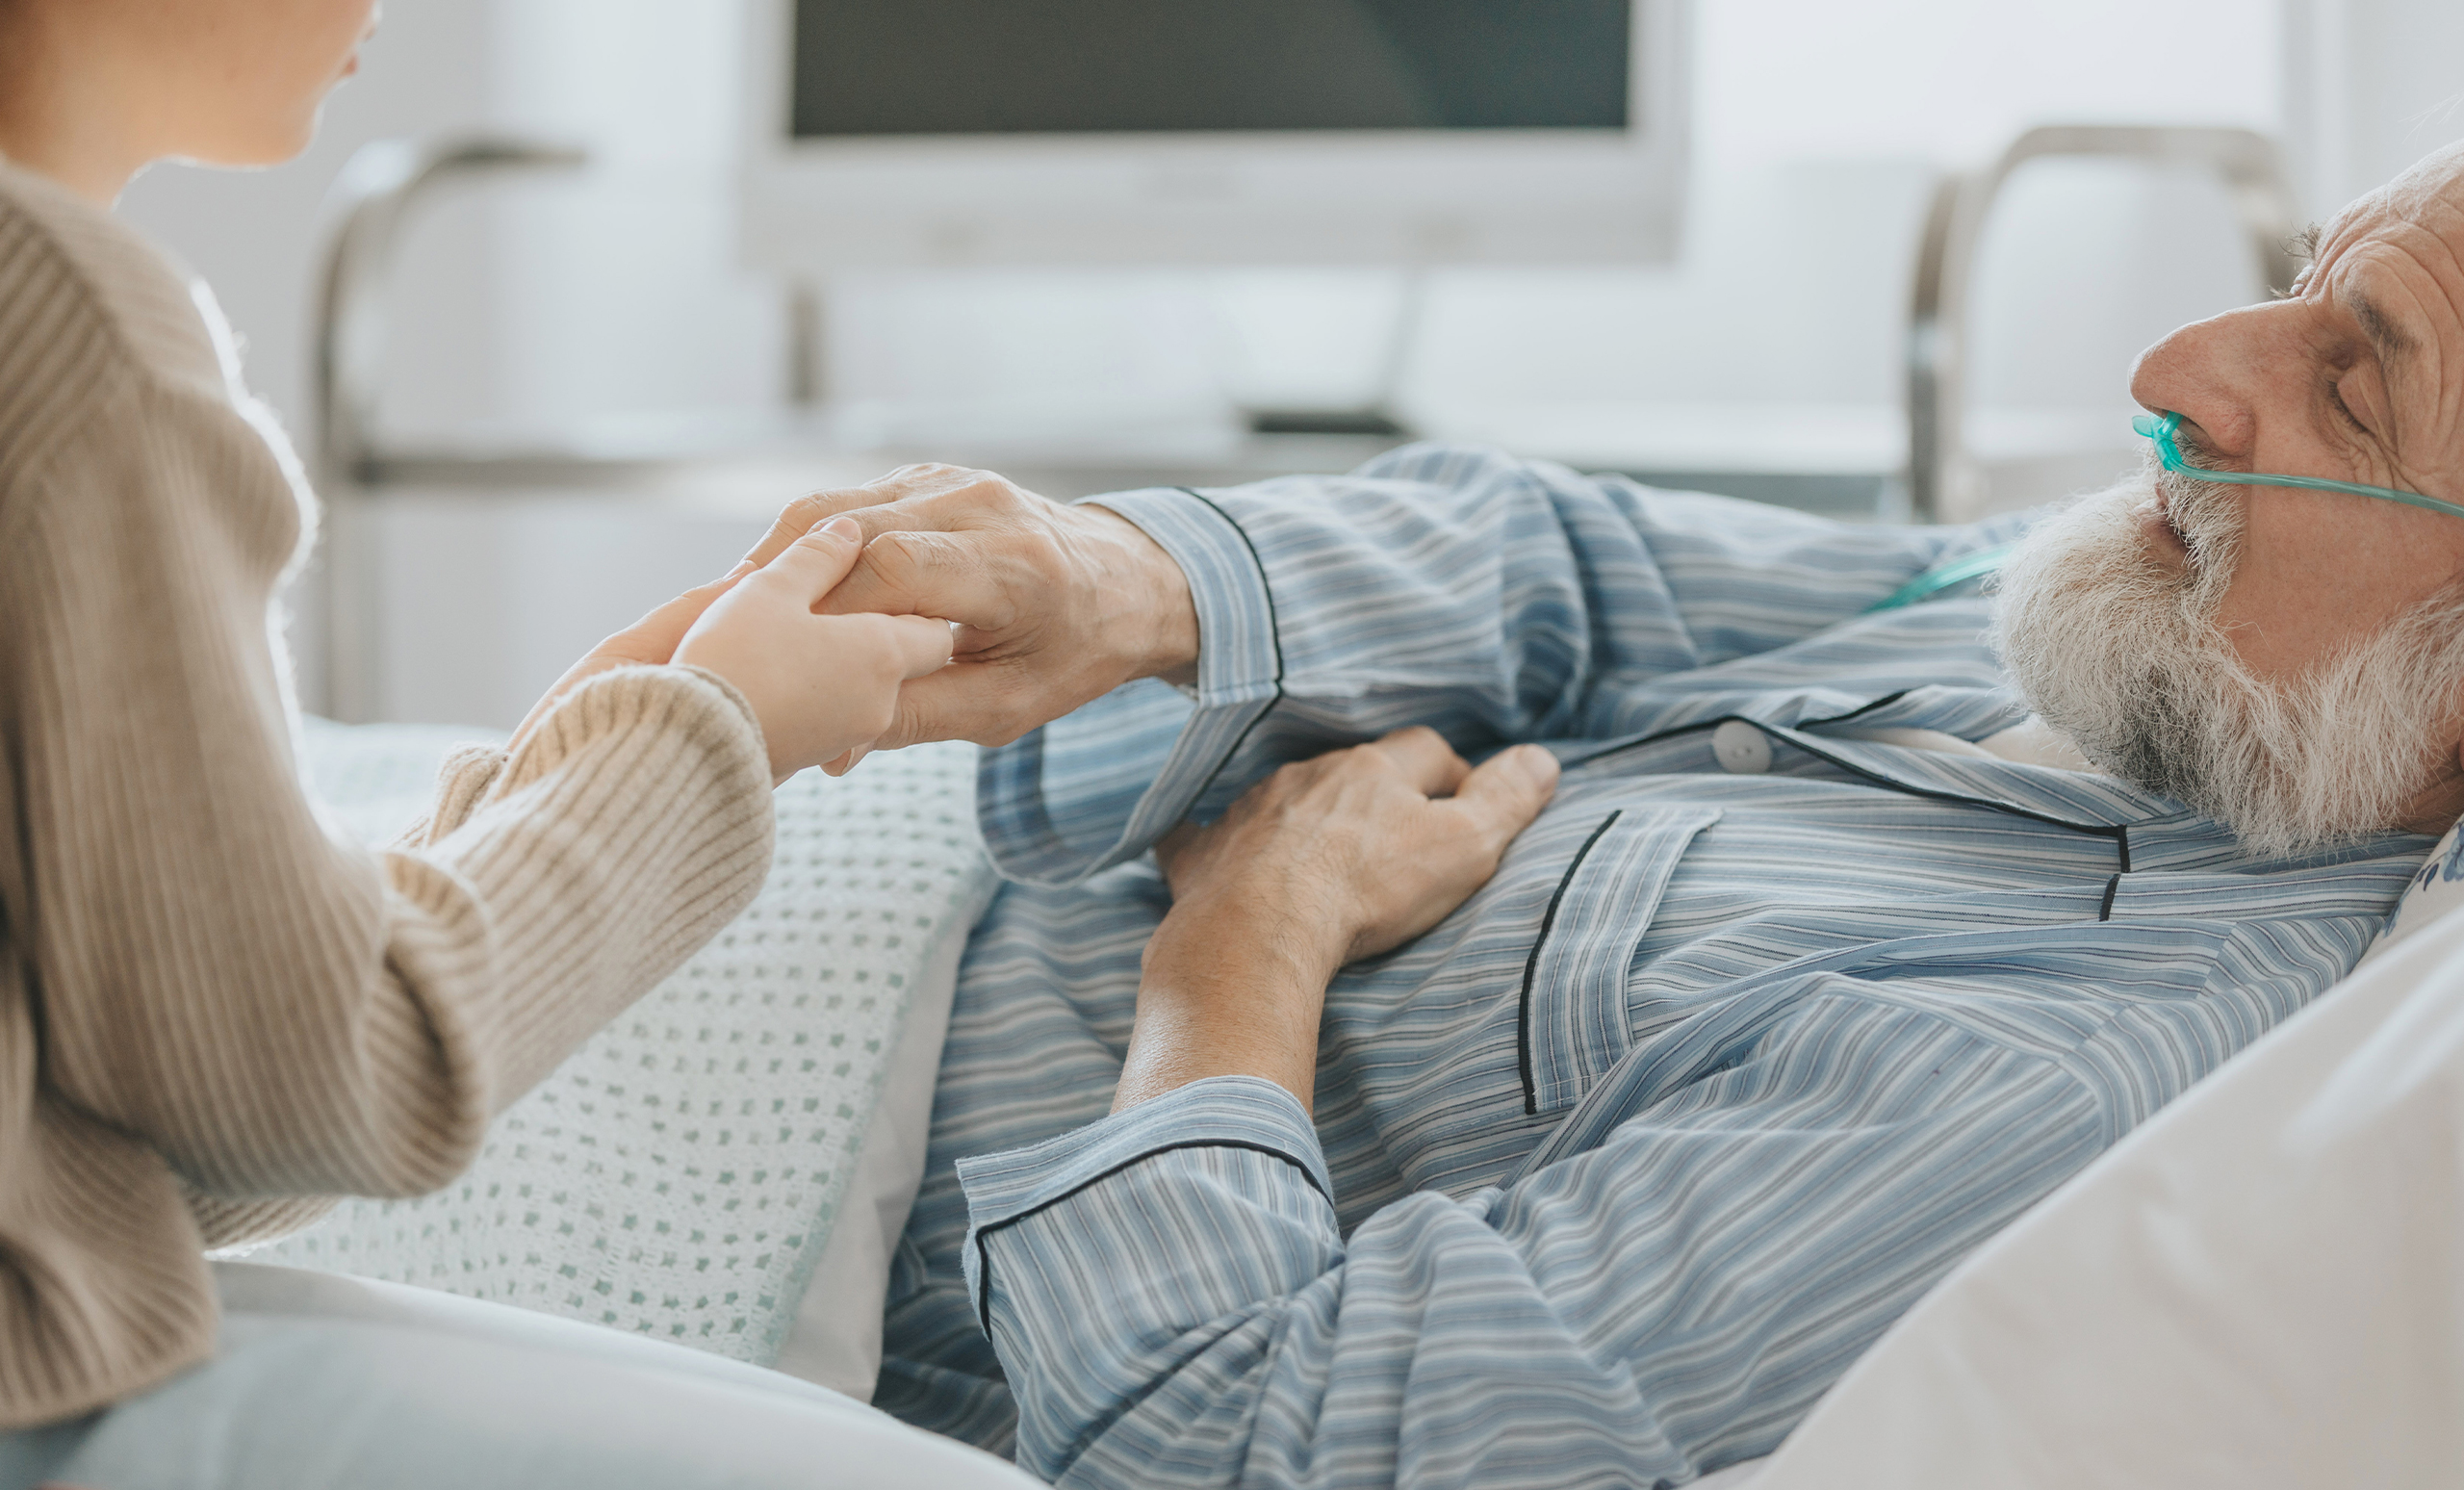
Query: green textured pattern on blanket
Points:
[679, 1175]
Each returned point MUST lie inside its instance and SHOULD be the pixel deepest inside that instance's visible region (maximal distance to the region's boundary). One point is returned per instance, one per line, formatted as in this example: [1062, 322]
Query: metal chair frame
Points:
[1944, 483]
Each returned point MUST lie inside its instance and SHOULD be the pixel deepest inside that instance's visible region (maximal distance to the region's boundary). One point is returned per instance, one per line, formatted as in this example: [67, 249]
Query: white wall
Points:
[618, 291]
[2372, 85]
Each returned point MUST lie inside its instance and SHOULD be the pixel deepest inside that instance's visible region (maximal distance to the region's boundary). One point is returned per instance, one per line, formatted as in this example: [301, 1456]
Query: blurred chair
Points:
[1946, 483]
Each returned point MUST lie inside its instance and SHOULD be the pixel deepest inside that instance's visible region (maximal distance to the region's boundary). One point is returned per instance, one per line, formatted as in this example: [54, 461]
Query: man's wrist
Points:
[1231, 987]
[1254, 927]
[1169, 643]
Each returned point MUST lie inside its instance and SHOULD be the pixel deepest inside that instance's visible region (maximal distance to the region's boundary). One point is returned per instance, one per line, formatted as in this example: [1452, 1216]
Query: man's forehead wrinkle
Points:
[2391, 266]
[2403, 289]
[2348, 229]
[2388, 339]
[2405, 292]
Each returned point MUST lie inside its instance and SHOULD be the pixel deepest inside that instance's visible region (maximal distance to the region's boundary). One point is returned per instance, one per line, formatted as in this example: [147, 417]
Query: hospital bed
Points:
[2259, 1287]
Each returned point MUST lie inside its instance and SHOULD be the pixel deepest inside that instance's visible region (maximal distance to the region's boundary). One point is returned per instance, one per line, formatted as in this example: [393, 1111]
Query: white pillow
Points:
[836, 1338]
[681, 1174]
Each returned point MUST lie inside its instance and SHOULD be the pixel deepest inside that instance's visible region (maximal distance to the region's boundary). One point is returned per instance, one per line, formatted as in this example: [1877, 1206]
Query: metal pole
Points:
[377, 193]
[1944, 486]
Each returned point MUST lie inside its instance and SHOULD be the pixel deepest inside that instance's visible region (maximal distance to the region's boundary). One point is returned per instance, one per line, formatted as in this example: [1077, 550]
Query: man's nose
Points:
[2212, 373]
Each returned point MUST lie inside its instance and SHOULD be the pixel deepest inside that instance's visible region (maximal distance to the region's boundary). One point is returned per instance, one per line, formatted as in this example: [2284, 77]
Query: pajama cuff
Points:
[1240, 678]
[1219, 1111]
[1239, 660]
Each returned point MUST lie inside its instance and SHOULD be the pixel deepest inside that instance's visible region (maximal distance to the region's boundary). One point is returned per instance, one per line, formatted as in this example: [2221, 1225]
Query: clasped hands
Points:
[941, 603]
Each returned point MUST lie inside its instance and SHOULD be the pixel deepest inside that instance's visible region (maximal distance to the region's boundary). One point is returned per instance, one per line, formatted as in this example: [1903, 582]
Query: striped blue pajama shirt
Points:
[1762, 1026]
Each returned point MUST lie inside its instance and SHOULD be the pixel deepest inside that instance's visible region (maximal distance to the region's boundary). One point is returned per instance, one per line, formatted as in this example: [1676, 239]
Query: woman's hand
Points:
[650, 642]
[823, 687]
[1057, 605]
[1324, 863]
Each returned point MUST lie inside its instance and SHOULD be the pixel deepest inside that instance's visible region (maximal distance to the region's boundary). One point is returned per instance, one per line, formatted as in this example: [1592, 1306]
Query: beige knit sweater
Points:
[211, 1007]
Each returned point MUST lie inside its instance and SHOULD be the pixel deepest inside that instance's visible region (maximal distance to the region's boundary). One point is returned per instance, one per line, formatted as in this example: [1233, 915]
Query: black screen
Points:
[1071, 66]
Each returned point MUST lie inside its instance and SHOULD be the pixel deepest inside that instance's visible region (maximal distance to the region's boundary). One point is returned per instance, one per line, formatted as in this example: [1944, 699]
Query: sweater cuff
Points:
[462, 783]
[617, 698]
[468, 773]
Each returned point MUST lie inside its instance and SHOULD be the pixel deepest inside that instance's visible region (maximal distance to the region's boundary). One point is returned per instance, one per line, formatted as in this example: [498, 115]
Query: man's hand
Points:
[1324, 863]
[1057, 605]
[1372, 846]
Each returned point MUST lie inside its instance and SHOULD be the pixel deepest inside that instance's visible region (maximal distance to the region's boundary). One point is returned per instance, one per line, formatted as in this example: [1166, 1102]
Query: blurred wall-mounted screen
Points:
[875, 68]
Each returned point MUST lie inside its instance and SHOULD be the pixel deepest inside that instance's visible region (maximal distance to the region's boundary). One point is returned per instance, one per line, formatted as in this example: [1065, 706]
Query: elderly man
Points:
[1578, 1117]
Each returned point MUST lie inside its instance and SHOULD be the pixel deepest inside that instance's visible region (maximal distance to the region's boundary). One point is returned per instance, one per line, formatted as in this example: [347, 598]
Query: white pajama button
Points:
[1742, 748]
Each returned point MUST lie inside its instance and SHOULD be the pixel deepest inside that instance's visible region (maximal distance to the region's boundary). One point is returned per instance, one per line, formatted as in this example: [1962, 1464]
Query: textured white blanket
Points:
[680, 1174]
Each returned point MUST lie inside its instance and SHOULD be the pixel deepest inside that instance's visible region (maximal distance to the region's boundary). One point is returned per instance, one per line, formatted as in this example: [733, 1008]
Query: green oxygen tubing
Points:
[2163, 430]
[2169, 450]
[1941, 577]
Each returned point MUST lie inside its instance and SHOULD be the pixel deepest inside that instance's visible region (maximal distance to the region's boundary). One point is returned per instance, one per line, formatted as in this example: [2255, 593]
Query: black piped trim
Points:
[984, 1257]
[1858, 712]
[1531, 965]
[1275, 633]
[2113, 888]
[2120, 833]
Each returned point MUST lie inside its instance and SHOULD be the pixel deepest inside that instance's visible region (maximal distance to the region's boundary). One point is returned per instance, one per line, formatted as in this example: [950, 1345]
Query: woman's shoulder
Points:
[85, 298]
[103, 339]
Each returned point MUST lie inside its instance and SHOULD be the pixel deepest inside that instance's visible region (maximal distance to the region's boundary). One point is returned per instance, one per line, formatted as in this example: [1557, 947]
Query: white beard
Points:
[2122, 653]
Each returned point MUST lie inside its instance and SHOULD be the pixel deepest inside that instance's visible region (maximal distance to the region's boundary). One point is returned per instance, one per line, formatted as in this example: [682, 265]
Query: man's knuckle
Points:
[1043, 554]
[897, 558]
[1295, 777]
[1371, 759]
[799, 515]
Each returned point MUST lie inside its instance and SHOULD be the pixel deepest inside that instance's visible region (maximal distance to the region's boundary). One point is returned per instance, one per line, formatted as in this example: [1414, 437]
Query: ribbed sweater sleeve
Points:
[207, 1001]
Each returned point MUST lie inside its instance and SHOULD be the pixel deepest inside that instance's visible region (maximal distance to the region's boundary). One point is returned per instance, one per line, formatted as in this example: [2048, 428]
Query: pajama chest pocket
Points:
[1574, 1024]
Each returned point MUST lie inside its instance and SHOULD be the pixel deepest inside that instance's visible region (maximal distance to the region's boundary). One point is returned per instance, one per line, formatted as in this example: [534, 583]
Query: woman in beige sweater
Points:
[211, 1012]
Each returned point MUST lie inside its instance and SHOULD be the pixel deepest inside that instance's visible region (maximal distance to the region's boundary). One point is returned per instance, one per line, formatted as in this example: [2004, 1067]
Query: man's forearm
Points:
[1228, 989]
